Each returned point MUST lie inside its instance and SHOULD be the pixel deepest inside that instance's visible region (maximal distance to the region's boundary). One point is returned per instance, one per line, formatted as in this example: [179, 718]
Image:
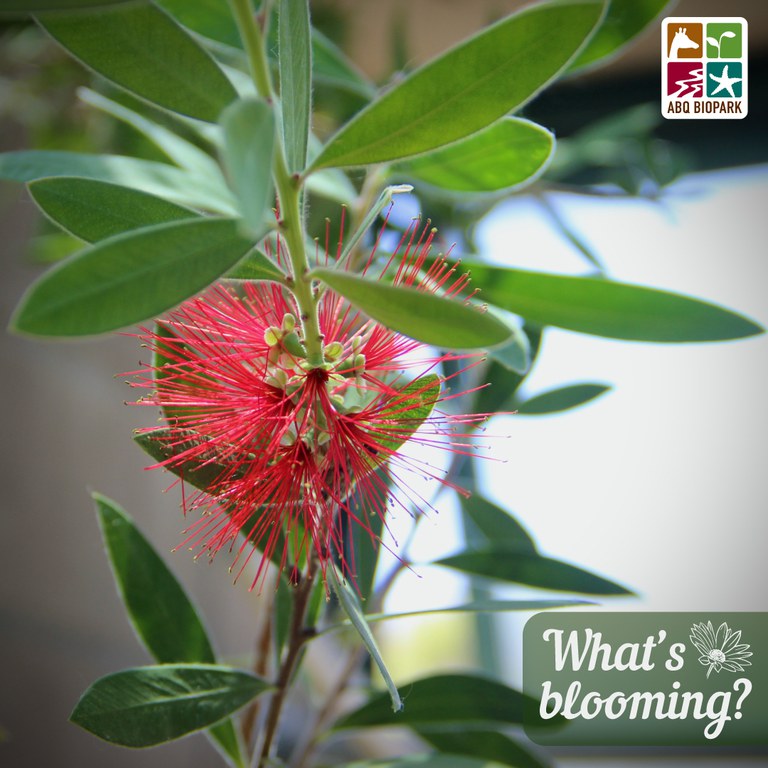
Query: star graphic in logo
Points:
[725, 83]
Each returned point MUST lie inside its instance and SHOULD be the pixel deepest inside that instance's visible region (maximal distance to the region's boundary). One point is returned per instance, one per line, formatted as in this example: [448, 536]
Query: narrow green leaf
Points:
[283, 611]
[365, 543]
[95, 210]
[210, 18]
[351, 605]
[182, 152]
[561, 399]
[160, 611]
[159, 179]
[496, 524]
[407, 411]
[158, 607]
[515, 354]
[129, 278]
[476, 606]
[423, 316]
[397, 421]
[163, 444]
[509, 153]
[52, 247]
[142, 49]
[624, 21]
[332, 184]
[331, 66]
[468, 88]
[608, 308]
[28, 7]
[442, 700]
[426, 760]
[295, 62]
[146, 706]
[249, 143]
[565, 231]
[385, 199]
[226, 741]
[213, 19]
[256, 266]
[503, 382]
[482, 744]
[521, 566]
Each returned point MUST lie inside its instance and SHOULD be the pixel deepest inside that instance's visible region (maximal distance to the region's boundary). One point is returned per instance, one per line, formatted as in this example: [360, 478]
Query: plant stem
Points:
[297, 637]
[260, 665]
[305, 750]
[288, 186]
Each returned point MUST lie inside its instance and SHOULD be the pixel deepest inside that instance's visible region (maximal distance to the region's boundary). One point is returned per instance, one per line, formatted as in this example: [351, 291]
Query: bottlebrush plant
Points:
[299, 344]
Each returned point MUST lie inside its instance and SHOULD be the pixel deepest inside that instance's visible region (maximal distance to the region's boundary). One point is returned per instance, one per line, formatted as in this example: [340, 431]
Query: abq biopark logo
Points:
[704, 68]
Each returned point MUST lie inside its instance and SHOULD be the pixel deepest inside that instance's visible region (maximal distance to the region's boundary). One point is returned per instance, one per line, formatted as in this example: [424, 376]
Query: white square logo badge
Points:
[704, 68]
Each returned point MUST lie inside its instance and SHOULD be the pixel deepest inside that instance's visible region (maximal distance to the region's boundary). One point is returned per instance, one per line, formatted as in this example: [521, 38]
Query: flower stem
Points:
[288, 185]
[297, 637]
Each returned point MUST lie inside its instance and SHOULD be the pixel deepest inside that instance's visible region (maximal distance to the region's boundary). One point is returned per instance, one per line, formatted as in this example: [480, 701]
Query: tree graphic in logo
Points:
[721, 649]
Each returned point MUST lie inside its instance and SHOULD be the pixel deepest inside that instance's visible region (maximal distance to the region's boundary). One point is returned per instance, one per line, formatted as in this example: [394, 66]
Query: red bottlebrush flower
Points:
[278, 446]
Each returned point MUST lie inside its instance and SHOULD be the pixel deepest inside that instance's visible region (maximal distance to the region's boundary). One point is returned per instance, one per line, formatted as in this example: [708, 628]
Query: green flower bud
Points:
[334, 350]
[292, 344]
[272, 336]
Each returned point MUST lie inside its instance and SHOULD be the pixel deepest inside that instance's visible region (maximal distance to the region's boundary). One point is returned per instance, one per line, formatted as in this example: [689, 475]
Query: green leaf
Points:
[503, 382]
[561, 399]
[209, 18]
[423, 316]
[482, 744]
[129, 278]
[509, 153]
[608, 308]
[565, 231]
[249, 134]
[146, 706]
[521, 566]
[331, 67]
[26, 7]
[163, 444]
[256, 266]
[351, 605]
[407, 411]
[426, 760]
[476, 606]
[442, 700]
[495, 524]
[159, 179]
[466, 89]
[158, 607]
[332, 184]
[95, 210]
[366, 547]
[52, 247]
[625, 20]
[295, 61]
[140, 48]
[161, 613]
[515, 355]
[182, 152]
[213, 19]
[384, 201]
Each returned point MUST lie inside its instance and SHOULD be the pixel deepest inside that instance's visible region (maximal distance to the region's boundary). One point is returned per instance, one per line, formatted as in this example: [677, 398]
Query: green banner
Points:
[646, 679]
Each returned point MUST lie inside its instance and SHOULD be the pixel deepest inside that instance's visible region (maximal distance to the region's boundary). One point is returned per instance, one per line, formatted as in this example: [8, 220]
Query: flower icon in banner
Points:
[720, 649]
